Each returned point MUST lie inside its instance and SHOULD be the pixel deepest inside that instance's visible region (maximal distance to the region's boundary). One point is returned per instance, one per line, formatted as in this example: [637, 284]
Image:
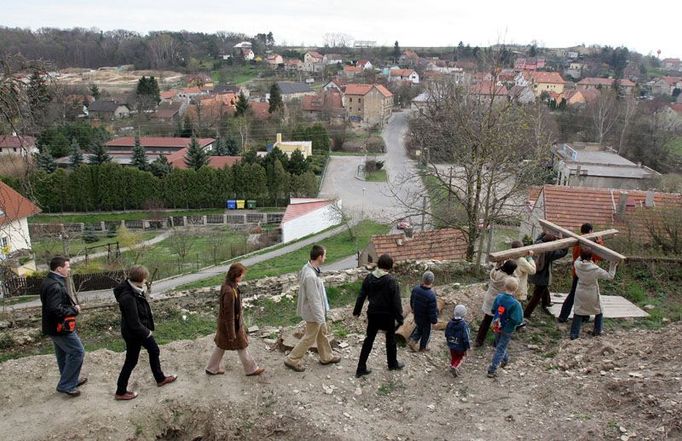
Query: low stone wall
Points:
[287, 285]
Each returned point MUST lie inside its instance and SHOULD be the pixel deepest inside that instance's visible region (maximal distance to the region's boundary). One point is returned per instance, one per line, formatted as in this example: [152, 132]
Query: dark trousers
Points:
[483, 329]
[376, 323]
[539, 293]
[421, 333]
[568, 303]
[578, 321]
[133, 348]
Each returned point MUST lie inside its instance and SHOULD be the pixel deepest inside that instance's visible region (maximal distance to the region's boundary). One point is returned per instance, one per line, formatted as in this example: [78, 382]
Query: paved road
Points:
[380, 201]
[161, 287]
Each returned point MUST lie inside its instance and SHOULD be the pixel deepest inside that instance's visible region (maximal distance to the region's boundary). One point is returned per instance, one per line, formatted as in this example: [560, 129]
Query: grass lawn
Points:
[201, 248]
[377, 176]
[338, 153]
[675, 146]
[18, 299]
[338, 247]
[44, 247]
[235, 74]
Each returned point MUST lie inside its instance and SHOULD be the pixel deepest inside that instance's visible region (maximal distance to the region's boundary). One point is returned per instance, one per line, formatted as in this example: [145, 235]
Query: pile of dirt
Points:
[625, 385]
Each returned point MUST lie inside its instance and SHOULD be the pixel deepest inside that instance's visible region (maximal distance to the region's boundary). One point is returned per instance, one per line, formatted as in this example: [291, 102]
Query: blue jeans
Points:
[70, 353]
[501, 354]
[578, 321]
[421, 333]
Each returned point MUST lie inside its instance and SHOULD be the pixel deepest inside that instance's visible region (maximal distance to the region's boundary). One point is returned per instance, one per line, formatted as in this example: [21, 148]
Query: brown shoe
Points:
[334, 359]
[72, 393]
[126, 396]
[167, 380]
[258, 371]
[296, 367]
[82, 381]
[214, 373]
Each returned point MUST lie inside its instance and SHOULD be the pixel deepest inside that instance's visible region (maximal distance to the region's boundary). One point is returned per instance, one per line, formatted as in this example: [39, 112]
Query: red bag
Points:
[67, 326]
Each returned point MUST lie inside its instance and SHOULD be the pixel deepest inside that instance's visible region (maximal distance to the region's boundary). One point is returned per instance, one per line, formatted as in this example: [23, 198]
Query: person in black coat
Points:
[425, 310]
[59, 322]
[543, 275]
[385, 313]
[137, 326]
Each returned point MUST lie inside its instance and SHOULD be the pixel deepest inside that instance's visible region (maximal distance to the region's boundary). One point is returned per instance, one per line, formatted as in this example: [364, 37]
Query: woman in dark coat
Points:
[230, 335]
[137, 326]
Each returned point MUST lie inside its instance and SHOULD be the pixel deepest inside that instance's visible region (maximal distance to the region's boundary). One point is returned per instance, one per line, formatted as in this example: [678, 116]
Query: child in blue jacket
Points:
[457, 335]
[507, 315]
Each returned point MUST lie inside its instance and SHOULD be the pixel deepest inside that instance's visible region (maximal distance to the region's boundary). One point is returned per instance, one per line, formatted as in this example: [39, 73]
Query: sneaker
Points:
[334, 359]
[169, 379]
[412, 345]
[396, 367]
[82, 381]
[362, 372]
[292, 366]
[128, 395]
[72, 393]
[492, 374]
[561, 320]
[454, 371]
[523, 324]
[504, 364]
[424, 350]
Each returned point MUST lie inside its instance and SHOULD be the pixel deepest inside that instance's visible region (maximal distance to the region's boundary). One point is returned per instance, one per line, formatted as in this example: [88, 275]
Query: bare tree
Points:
[337, 39]
[481, 153]
[628, 108]
[181, 242]
[604, 113]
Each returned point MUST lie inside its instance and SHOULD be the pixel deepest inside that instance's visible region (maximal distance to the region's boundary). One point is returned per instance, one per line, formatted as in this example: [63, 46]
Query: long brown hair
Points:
[236, 270]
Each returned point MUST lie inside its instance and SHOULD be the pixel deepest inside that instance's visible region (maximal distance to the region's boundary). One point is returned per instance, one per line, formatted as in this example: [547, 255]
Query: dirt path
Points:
[625, 386]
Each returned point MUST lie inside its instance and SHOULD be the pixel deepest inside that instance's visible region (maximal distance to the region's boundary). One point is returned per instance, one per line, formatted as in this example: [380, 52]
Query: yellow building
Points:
[289, 147]
[546, 82]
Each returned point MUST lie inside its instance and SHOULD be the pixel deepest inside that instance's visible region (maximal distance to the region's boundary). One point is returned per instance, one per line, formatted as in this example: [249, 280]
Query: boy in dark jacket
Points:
[425, 310]
[137, 324]
[457, 335]
[385, 313]
[508, 314]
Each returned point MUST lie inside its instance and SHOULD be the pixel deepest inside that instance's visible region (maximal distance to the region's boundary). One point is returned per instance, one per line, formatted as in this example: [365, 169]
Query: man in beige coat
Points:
[312, 306]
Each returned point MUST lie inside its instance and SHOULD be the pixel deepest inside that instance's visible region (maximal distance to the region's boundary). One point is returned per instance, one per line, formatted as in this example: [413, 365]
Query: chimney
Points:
[622, 202]
[649, 199]
[279, 138]
[408, 232]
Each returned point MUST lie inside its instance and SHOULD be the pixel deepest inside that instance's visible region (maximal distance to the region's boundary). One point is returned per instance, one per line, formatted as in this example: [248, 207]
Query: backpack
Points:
[499, 319]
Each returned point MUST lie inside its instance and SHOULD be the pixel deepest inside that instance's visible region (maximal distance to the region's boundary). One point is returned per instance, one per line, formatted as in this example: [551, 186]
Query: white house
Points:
[364, 64]
[17, 145]
[404, 75]
[305, 216]
[14, 234]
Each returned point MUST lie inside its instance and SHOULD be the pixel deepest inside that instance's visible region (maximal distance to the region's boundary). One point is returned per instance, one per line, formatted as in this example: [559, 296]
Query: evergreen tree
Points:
[76, 153]
[231, 145]
[139, 159]
[38, 95]
[279, 185]
[219, 149]
[147, 92]
[396, 52]
[94, 91]
[46, 162]
[188, 128]
[99, 154]
[196, 157]
[160, 166]
[275, 100]
[242, 104]
[297, 163]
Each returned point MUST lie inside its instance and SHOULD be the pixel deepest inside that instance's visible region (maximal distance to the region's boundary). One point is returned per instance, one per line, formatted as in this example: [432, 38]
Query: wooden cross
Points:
[568, 239]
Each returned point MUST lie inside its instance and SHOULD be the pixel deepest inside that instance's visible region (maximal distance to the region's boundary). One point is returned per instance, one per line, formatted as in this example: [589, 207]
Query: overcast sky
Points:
[646, 27]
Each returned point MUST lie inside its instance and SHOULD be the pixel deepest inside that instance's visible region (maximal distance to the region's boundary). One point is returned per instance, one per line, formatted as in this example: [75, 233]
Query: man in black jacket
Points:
[385, 312]
[59, 322]
[137, 324]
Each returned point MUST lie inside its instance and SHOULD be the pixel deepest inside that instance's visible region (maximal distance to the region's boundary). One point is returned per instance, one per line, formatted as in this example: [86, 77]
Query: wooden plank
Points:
[599, 250]
[558, 244]
[613, 307]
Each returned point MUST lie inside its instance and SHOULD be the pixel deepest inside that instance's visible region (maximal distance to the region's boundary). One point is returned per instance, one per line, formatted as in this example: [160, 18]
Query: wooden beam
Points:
[558, 244]
[599, 250]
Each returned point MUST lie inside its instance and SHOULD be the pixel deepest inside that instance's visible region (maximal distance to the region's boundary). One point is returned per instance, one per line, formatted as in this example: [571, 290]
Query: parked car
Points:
[404, 224]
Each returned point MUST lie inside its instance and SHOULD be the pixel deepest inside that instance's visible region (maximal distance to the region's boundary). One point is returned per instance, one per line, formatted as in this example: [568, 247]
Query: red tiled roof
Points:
[488, 88]
[443, 244]
[385, 92]
[315, 103]
[298, 209]
[570, 207]
[671, 81]
[168, 94]
[547, 77]
[357, 89]
[352, 69]
[591, 81]
[177, 160]
[17, 141]
[401, 72]
[259, 109]
[157, 141]
[14, 206]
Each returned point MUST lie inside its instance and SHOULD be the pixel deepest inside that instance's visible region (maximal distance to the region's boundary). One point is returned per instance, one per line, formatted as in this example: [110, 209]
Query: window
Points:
[350, 100]
[359, 100]
[4, 241]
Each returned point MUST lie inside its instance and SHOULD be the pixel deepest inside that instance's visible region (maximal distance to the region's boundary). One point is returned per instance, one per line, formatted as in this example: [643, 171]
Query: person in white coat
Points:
[587, 297]
[312, 306]
[495, 287]
[525, 266]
